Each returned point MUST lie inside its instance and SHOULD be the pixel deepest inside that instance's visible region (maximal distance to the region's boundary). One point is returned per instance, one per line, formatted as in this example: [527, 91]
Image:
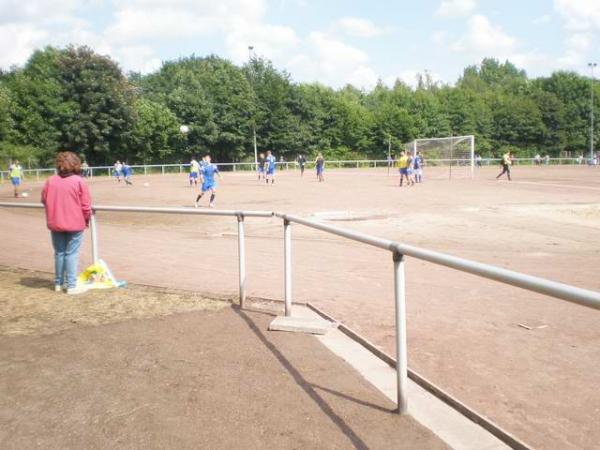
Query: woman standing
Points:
[68, 211]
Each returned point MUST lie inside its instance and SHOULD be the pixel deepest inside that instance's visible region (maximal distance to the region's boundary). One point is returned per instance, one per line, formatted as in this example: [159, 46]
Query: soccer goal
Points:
[449, 157]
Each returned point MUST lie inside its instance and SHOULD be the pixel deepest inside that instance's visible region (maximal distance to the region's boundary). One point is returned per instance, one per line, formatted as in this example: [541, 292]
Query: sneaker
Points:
[57, 288]
[76, 290]
[196, 205]
[211, 205]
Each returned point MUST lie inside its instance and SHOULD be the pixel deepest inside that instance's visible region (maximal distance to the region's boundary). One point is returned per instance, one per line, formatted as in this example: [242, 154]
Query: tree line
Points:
[75, 99]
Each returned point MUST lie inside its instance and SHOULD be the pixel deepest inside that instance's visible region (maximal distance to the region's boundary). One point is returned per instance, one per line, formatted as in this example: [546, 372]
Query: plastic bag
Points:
[98, 276]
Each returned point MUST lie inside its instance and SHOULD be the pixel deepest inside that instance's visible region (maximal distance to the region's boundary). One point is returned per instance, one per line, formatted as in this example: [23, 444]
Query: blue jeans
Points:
[66, 256]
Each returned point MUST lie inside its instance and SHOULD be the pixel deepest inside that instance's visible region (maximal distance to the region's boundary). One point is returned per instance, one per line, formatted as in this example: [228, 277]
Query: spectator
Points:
[68, 211]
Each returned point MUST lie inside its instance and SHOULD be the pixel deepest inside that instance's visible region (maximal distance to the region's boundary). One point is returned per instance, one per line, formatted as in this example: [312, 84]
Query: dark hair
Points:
[68, 163]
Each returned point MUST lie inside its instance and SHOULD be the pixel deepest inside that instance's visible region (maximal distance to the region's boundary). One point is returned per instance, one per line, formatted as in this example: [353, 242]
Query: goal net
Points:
[446, 157]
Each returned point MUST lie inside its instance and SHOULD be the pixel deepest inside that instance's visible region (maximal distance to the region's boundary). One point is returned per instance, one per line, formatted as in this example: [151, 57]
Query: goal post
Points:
[453, 156]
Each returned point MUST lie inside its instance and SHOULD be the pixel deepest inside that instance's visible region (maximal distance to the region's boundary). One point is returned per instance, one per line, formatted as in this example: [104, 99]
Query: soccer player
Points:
[16, 176]
[506, 163]
[207, 174]
[302, 163]
[320, 166]
[403, 168]
[118, 170]
[418, 167]
[411, 169]
[261, 166]
[127, 172]
[194, 172]
[270, 161]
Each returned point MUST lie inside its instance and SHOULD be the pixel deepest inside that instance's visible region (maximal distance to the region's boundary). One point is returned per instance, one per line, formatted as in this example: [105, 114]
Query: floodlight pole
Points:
[389, 158]
[472, 156]
[255, 150]
[250, 51]
[592, 66]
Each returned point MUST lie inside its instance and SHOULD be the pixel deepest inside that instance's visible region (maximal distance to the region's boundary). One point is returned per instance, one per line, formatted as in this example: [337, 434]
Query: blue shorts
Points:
[271, 171]
[208, 185]
[194, 175]
[261, 169]
[320, 170]
[16, 181]
[117, 173]
[404, 171]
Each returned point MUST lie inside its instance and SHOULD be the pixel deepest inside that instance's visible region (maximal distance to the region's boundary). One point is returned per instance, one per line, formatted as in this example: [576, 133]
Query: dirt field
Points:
[464, 333]
[185, 373]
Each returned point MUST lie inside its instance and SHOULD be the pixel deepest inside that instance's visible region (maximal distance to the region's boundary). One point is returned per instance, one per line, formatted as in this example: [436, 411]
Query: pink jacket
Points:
[68, 203]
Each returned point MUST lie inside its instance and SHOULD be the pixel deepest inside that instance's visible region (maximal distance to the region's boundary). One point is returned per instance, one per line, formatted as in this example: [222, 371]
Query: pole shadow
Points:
[357, 442]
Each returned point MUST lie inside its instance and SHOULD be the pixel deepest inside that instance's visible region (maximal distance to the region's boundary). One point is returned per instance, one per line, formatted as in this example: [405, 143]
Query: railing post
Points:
[163, 169]
[287, 266]
[94, 232]
[145, 170]
[37, 175]
[401, 356]
[242, 259]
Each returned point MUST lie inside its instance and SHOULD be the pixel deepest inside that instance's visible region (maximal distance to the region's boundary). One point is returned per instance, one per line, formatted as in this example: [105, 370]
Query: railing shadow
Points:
[357, 442]
[352, 399]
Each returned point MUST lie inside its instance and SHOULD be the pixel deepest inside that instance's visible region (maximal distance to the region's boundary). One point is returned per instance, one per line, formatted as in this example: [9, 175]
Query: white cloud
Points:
[483, 38]
[581, 20]
[328, 60]
[17, 10]
[17, 42]
[579, 15]
[141, 58]
[355, 26]
[273, 41]
[456, 8]
[578, 46]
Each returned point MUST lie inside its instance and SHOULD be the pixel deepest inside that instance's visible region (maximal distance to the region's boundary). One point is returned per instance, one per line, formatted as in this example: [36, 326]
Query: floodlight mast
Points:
[250, 51]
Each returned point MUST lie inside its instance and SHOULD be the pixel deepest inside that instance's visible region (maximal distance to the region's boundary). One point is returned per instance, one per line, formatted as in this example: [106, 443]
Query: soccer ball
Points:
[184, 129]
[146, 184]
[25, 194]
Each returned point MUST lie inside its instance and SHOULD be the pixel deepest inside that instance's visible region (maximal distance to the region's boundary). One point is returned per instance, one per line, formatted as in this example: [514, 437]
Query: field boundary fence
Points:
[399, 253]
[168, 169]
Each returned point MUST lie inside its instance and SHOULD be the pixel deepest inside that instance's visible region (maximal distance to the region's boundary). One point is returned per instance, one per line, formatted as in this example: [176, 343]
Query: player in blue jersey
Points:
[270, 161]
[127, 172]
[207, 175]
[418, 167]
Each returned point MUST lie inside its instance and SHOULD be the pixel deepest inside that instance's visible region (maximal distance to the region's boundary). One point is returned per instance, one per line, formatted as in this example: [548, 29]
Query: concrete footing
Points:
[311, 325]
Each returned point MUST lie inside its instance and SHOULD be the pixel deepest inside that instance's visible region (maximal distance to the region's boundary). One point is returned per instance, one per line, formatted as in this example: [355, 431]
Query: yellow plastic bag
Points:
[98, 276]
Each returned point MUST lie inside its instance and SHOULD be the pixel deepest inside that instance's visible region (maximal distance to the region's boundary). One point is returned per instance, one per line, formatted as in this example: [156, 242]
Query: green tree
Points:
[213, 97]
[155, 136]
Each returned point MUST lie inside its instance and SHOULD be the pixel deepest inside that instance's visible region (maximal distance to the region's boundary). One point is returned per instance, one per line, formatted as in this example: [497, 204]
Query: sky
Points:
[334, 42]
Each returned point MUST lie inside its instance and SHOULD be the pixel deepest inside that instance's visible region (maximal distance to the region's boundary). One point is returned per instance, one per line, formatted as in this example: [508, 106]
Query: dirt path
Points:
[464, 332]
[207, 378]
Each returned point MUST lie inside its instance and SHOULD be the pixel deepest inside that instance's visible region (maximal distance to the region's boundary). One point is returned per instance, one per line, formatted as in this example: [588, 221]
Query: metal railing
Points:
[165, 169]
[399, 252]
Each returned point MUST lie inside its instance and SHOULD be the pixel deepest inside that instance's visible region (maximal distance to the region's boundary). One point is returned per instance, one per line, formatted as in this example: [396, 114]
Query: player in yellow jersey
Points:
[403, 163]
[194, 172]
[15, 172]
[506, 163]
